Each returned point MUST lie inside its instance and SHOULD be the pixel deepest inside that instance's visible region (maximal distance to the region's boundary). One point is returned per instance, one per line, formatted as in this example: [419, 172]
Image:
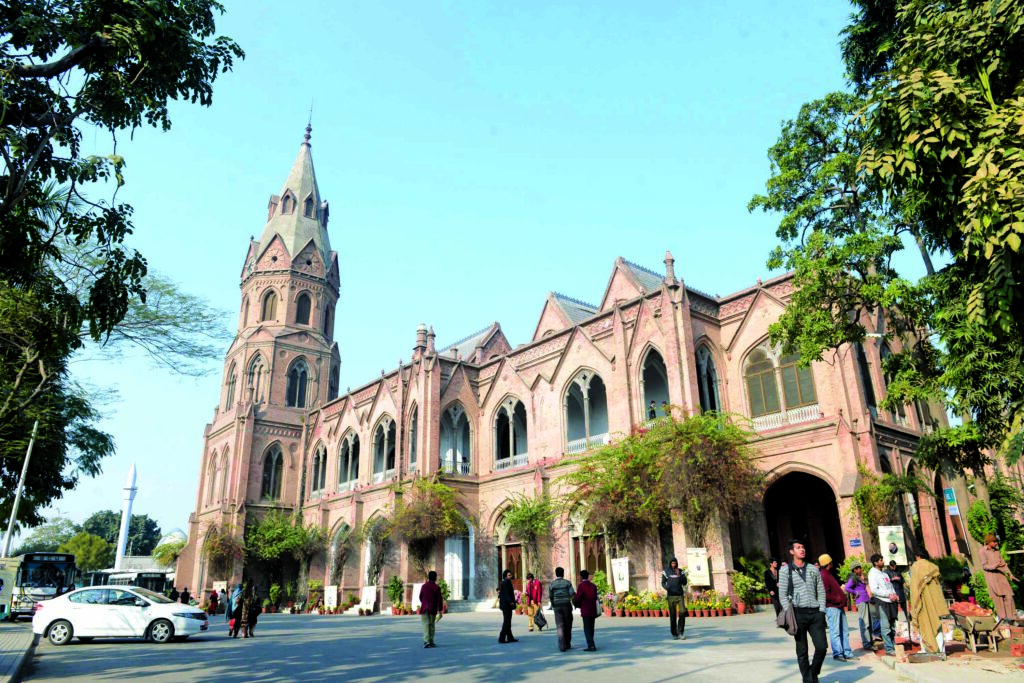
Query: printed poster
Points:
[330, 597]
[893, 545]
[698, 573]
[620, 574]
[415, 604]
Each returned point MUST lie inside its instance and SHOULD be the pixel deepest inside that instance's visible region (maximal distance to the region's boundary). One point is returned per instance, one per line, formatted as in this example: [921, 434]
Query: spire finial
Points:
[309, 123]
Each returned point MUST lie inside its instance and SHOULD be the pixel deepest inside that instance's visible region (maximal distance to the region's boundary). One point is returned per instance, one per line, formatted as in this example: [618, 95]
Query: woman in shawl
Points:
[927, 603]
[234, 611]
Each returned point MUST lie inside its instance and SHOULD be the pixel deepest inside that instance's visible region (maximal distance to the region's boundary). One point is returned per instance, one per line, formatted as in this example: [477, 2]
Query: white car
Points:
[117, 612]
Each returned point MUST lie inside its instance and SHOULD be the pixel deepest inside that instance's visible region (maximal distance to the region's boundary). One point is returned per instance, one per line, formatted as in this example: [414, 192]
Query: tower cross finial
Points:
[309, 123]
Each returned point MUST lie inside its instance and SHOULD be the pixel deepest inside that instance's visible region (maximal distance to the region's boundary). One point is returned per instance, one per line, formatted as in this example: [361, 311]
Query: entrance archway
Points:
[460, 564]
[802, 506]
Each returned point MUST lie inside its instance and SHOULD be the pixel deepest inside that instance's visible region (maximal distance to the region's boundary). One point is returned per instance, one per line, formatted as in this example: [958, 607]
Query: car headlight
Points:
[200, 616]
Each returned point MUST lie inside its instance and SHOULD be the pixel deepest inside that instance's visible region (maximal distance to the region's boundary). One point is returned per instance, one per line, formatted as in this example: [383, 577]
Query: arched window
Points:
[586, 413]
[865, 378]
[229, 394]
[318, 473]
[309, 208]
[273, 472]
[211, 478]
[244, 319]
[414, 435]
[797, 383]
[269, 309]
[348, 461]
[510, 444]
[327, 322]
[302, 309]
[257, 378]
[900, 415]
[707, 380]
[654, 383]
[298, 378]
[455, 441]
[287, 203]
[332, 384]
[384, 450]
[762, 391]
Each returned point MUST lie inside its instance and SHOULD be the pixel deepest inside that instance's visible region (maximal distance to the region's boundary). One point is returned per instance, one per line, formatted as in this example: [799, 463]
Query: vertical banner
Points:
[698, 572]
[330, 597]
[415, 602]
[959, 530]
[620, 574]
[893, 544]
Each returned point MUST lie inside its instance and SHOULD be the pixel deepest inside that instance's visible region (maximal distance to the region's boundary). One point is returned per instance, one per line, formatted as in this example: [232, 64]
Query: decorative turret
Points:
[670, 269]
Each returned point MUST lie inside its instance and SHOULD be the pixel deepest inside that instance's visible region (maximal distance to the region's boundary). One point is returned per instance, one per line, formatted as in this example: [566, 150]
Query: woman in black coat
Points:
[771, 582]
[507, 603]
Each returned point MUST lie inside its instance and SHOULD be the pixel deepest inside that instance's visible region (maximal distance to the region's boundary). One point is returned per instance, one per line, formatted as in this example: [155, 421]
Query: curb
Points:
[15, 676]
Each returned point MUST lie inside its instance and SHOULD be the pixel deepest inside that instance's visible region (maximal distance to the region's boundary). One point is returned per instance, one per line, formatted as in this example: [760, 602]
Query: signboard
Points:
[959, 530]
[620, 574]
[949, 495]
[330, 597]
[893, 545]
[698, 571]
[856, 543]
[221, 587]
[415, 603]
[368, 597]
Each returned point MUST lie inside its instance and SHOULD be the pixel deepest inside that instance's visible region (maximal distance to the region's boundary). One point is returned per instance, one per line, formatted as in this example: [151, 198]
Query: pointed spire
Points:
[670, 269]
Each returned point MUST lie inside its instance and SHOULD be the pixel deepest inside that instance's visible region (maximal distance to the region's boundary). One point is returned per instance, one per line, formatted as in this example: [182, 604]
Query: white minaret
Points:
[126, 516]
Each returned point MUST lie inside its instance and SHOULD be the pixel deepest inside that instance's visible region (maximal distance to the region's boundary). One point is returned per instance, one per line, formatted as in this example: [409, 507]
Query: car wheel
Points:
[162, 631]
[60, 632]
[87, 639]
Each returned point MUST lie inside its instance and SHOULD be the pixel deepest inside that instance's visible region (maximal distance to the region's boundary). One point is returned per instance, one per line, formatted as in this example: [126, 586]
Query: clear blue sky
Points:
[476, 155]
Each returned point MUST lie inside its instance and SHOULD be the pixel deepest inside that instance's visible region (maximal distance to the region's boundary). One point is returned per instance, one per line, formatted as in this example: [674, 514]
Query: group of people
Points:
[184, 597]
[241, 611]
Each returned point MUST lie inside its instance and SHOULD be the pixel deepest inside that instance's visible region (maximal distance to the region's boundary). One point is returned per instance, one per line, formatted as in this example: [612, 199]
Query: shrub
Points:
[951, 570]
[846, 568]
[426, 514]
[396, 590]
[980, 587]
[600, 581]
[746, 588]
[979, 521]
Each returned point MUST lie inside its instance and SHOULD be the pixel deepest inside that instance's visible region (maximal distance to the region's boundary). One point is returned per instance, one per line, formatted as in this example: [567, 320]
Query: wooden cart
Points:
[975, 628]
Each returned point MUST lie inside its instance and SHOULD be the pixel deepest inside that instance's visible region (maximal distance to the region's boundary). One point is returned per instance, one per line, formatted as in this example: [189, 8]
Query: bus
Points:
[32, 578]
[156, 581]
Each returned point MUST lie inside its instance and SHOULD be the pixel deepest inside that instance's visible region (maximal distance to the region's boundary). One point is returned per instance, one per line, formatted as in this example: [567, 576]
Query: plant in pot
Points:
[746, 588]
[446, 592]
[275, 595]
[396, 591]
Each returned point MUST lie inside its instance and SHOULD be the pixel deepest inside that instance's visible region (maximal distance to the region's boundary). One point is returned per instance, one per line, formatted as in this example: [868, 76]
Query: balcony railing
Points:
[790, 417]
[454, 467]
[587, 443]
[346, 486]
[517, 460]
[380, 477]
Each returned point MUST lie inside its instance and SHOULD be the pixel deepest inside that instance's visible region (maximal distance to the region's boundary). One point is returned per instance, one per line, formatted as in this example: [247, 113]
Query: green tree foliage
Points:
[143, 532]
[222, 550]
[47, 537]
[1006, 500]
[979, 521]
[376, 534]
[700, 466]
[67, 67]
[878, 499]
[426, 514]
[277, 538]
[929, 150]
[167, 554]
[91, 552]
[529, 520]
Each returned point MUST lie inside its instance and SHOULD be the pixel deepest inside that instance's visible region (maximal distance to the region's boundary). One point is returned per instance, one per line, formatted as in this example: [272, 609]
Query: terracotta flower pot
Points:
[703, 612]
[691, 613]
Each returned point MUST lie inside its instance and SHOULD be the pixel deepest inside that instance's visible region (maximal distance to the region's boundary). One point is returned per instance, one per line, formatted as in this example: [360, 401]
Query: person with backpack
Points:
[561, 594]
[673, 580]
[800, 585]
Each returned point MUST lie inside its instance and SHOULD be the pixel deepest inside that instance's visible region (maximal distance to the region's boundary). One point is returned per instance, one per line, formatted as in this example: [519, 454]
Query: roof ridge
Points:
[701, 292]
[468, 337]
[575, 301]
[646, 270]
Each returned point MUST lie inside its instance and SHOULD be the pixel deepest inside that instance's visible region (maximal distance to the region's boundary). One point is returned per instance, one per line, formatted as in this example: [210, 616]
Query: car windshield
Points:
[155, 597]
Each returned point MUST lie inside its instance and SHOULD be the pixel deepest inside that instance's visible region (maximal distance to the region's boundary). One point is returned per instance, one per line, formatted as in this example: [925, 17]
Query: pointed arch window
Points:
[510, 435]
[211, 478]
[332, 383]
[456, 449]
[309, 208]
[273, 473]
[414, 435]
[327, 322]
[654, 385]
[229, 394]
[244, 320]
[585, 407]
[348, 462]
[762, 391]
[797, 382]
[865, 378]
[298, 379]
[384, 450]
[257, 378]
[269, 309]
[318, 473]
[707, 380]
[899, 416]
[302, 309]
[287, 203]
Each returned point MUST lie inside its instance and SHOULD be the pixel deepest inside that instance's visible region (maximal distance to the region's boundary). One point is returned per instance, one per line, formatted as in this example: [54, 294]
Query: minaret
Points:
[126, 516]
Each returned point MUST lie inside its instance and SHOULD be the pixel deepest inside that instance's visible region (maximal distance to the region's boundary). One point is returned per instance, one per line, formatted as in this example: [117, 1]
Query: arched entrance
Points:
[588, 547]
[802, 506]
[509, 554]
[460, 564]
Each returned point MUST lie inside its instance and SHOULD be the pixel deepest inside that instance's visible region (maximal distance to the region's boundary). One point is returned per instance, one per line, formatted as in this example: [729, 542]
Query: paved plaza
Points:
[386, 648]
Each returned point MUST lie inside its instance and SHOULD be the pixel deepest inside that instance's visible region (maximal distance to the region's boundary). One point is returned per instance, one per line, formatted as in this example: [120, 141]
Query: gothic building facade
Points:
[497, 421]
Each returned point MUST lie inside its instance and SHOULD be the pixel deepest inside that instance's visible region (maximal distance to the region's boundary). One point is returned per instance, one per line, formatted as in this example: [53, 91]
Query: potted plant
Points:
[446, 592]
[746, 588]
[396, 591]
[275, 595]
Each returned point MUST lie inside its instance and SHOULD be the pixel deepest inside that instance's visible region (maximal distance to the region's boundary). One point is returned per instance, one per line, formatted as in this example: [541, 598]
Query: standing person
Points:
[532, 597]
[235, 611]
[431, 605]
[673, 580]
[927, 602]
[586, 600]
[771, 582]
[835, 599]
[652, 411]
[507, 603]
[214, 599]
[242, 624]
[800, 585]
[998, 577]
[857, 586]
[230, 603]
[253, 614]
[185, 596]
[896, 577]
[884, 597]
[561, 593]
[174, 594]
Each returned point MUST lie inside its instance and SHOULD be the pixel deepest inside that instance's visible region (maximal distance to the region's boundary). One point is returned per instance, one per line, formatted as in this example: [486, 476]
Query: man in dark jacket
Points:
[431, 605]
[586, 600]
[507, 603]
[673, 580]
[561, 594]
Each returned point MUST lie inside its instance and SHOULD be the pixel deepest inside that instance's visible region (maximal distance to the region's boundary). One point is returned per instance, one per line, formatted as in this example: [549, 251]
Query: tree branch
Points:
[65, 63]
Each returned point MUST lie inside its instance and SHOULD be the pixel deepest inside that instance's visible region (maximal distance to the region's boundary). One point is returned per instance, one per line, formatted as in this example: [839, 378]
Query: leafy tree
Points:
[426, 514]
[47, 537]
[222, 550]
[167, 554]
[143, 532]
[91, 552]
[879, 500]
[277, 537]
[530, 520]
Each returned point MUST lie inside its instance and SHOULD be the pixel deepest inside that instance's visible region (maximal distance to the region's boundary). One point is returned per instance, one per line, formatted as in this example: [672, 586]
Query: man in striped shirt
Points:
[800, 585]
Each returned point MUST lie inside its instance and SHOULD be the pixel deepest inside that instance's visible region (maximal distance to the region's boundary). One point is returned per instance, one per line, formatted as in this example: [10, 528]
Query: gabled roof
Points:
[575, 310]
[467, 345]
[645, 277]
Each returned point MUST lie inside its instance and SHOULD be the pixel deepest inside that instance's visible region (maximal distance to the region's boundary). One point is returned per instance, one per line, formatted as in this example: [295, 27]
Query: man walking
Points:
[857, 586]
[673, 580]
[533, 597]
[586, 600]
[430, 606]
[884, 597]
[800, 585]
[561, 593]
[507, 603]
[835, 598]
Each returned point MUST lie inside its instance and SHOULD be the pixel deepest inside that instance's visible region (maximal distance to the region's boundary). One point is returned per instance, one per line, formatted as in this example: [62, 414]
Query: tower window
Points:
[287, 203]
[269, 311]
[295, 396]
[309, 208]
[302, 309]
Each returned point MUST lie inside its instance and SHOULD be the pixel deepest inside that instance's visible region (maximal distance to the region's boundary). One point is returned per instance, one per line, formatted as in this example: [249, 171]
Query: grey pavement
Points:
[386, 648]
[15, 649]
